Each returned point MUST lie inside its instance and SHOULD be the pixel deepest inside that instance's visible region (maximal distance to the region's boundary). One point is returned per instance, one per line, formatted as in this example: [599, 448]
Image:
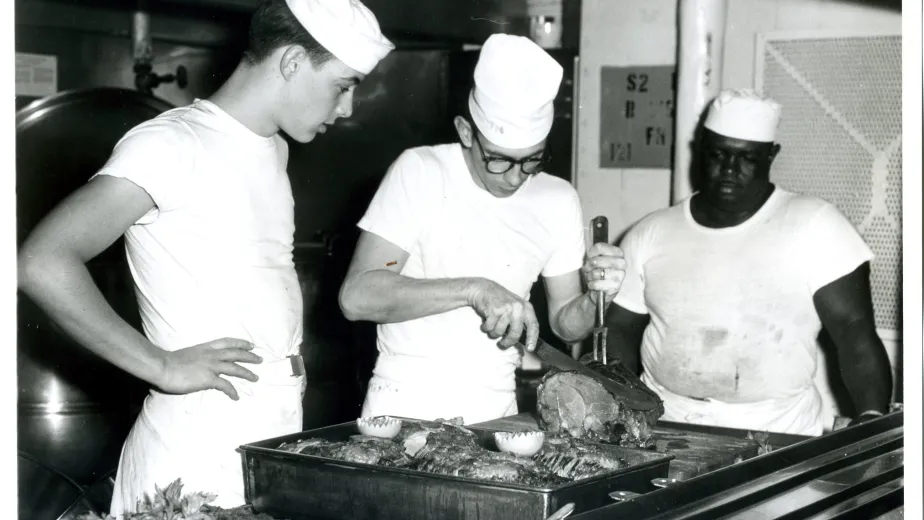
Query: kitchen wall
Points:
[746, 18]
[631, 33]
[619, 33]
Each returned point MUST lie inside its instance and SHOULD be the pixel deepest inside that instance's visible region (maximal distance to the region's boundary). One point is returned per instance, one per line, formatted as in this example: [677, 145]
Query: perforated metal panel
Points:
[841, 136]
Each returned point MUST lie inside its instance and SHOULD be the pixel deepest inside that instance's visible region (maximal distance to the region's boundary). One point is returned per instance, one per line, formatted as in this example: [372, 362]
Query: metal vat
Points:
[74, 409]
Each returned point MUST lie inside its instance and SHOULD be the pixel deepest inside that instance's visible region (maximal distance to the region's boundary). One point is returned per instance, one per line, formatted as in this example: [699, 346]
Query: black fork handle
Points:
[600, 230]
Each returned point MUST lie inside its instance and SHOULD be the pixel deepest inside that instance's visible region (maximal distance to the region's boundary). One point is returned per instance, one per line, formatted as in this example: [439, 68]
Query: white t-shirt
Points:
[732, 315]
[213, 259]
[429, 205]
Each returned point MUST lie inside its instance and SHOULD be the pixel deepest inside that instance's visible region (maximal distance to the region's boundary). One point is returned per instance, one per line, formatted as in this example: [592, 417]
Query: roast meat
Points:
[580, 406]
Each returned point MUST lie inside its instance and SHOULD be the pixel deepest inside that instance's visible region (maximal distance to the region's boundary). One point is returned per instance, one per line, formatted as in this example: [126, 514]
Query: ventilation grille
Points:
[841, 135]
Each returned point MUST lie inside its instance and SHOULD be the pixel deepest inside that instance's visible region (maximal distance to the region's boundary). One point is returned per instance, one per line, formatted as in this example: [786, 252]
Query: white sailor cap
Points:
[744, 114]
[515, 85]
[346, 28]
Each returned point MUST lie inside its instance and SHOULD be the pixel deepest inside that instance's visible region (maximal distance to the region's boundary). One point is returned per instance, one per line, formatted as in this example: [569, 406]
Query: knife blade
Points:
[558, 359]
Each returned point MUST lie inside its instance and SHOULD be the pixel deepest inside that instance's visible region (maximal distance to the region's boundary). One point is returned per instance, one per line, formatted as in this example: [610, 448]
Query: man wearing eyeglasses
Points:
[453, 241]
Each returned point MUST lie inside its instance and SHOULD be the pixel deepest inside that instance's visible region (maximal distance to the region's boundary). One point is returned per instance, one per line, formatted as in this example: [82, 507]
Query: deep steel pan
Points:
[297, 486]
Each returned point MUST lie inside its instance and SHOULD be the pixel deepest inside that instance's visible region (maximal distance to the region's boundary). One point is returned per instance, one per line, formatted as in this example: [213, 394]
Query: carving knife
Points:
[553, 357]
[601, 233]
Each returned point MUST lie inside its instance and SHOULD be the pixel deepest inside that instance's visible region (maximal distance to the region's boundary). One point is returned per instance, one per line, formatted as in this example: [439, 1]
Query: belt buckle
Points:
[298, 365]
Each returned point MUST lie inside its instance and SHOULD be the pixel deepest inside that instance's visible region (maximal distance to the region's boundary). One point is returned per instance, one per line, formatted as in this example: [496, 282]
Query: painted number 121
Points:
[620, 152]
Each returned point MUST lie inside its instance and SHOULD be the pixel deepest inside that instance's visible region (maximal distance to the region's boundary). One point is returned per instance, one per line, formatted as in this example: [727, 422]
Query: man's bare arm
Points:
[52, 271]
[374, 290]
[572, 312]
[846, 310]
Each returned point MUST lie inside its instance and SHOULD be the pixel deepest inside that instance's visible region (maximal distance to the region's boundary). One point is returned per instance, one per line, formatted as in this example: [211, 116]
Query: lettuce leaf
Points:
[167, 504]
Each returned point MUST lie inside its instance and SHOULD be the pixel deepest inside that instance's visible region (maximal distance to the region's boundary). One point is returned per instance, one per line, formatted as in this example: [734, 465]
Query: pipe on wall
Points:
[700, 44]
[143, 54]
[142, 46]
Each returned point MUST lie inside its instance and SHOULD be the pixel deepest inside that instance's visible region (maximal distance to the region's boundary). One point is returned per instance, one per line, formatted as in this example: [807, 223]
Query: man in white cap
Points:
[203, 198]
[726, 292]
[453, 241]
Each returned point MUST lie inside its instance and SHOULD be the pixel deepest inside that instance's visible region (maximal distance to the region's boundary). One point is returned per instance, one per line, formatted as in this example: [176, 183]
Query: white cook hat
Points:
[515, 84]
[346, 28]
[744, 114]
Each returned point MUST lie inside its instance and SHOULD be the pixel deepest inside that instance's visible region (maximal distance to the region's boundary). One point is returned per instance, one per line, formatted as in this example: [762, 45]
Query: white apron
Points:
[797, 415]
[443, 365]
[429, 402]
[196, 436]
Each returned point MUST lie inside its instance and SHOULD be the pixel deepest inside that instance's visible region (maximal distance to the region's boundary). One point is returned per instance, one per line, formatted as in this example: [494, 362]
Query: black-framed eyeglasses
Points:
[498, 165]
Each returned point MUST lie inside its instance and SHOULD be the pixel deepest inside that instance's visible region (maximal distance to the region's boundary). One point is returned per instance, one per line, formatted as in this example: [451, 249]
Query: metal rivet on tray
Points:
[621, 496]
[663, 482]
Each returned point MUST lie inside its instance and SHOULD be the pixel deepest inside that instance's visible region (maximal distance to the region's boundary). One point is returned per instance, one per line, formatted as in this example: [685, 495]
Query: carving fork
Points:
[601, 232]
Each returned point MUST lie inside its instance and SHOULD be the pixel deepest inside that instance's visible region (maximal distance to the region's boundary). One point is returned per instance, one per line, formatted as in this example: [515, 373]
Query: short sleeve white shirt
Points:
[732, 314]
[214, 257]
[429, 205]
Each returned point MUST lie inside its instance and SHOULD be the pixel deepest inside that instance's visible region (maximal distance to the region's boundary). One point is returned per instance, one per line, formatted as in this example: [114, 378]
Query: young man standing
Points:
[202, 196]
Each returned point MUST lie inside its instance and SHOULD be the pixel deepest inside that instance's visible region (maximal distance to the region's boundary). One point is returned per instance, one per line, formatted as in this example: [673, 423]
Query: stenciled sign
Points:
[36, 75]
[637, 116]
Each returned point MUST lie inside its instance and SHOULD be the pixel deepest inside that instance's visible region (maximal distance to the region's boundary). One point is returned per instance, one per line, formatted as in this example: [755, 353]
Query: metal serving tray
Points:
[855, 472]
[305, 487]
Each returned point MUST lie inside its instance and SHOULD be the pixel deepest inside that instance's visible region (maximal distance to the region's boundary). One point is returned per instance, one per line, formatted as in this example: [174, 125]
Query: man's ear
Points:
[773, 151]
[464, 129]
[293, 58]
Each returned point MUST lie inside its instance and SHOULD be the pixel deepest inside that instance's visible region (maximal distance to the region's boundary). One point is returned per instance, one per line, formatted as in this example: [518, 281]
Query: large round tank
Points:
[74, 409]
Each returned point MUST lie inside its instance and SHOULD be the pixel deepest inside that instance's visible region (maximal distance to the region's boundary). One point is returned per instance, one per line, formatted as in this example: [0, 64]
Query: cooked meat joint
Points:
[580, 406]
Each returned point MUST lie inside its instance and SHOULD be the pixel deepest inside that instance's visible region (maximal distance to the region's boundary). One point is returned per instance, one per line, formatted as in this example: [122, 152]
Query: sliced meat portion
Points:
[579, 405]
[360, 448]
[572, 459]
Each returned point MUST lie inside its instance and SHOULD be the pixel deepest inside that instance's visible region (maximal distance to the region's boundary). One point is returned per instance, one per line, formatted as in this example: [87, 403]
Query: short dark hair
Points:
[273, 25]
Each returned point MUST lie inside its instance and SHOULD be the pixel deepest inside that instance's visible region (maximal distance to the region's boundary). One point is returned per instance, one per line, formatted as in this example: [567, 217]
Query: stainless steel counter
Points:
[856, 472]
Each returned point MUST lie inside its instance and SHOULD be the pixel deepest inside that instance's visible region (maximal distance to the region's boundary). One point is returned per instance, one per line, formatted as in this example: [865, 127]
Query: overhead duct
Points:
[699, 76]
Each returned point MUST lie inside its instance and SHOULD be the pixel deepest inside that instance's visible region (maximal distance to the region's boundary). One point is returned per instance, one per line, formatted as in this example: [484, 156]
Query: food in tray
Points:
[520, 443]
[454, 451]
[763, 441]
[576, 459]
[363, 449]
[448, 448]
[171, 503]
[383, 426]
[577, 405]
